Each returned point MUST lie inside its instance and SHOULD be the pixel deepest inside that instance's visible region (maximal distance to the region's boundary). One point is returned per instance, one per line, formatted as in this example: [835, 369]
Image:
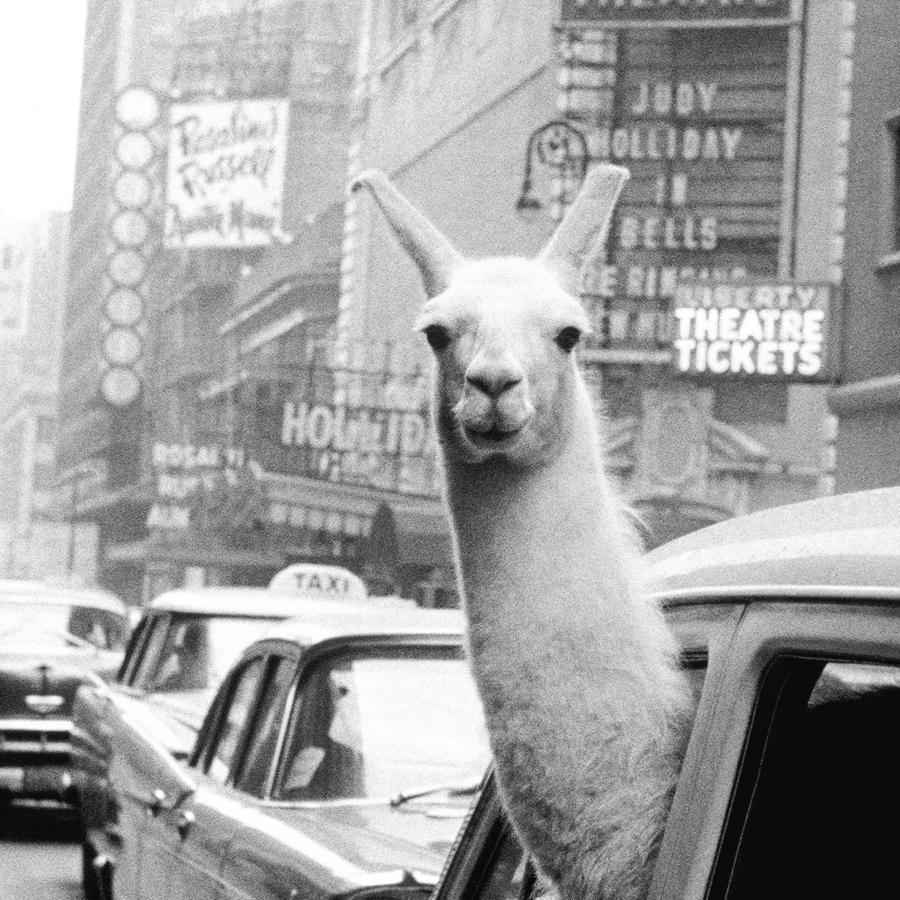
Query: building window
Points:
[894, 132]
[745, 402]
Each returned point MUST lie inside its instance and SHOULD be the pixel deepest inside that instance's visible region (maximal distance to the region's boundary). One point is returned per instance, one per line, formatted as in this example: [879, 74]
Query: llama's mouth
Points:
[492, 435]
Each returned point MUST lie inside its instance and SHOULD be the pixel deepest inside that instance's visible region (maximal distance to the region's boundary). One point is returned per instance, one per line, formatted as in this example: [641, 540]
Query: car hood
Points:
[376, 839]
[40, 683]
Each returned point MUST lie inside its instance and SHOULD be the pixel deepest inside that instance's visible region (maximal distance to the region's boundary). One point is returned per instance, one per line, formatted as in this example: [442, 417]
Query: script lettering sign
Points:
[225, 173]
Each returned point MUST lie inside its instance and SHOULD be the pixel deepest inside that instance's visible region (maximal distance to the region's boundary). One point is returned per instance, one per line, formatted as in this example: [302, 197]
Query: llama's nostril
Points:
[493, 386]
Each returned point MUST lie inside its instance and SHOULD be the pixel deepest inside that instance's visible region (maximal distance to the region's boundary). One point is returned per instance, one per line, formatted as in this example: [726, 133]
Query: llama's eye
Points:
[568, 338]
[437, 336]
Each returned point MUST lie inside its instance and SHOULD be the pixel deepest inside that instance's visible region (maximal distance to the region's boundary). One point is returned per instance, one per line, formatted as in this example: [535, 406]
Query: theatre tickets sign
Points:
[767, 330]
[225, 173]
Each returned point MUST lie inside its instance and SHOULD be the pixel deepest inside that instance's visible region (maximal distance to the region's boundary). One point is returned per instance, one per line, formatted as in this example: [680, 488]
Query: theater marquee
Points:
[697, 99]
[770, 330]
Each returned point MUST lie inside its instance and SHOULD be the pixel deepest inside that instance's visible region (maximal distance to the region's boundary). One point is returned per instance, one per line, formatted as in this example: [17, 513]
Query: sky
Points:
[40, 82]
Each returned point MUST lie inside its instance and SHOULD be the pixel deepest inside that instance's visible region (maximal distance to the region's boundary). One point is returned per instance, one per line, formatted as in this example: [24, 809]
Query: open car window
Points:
[503, 870]
[814, 807]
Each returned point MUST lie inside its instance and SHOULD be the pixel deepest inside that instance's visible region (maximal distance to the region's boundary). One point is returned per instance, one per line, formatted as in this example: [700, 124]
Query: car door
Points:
[796, 782]
[207, 821]
[488, 862]
[150, 787]
[247, 870]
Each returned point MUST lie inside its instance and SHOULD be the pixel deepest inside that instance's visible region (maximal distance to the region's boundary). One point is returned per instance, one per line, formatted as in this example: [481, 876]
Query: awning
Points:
[192, 551]
[410, 537]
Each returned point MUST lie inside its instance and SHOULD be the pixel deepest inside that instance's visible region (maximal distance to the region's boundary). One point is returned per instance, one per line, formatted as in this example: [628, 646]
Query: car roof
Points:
[20, 590]
[331, 620]
[318, 615]
[846, 545]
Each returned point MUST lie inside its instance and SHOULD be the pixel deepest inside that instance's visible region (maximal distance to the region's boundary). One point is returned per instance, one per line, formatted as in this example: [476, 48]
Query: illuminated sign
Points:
[771, 330]
[620, 13]
[225, 173]
[699, 116]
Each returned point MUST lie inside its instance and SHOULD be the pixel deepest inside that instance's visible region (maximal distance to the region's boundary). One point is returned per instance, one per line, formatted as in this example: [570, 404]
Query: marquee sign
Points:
[767, 329]
[700, 117]
[225, 173]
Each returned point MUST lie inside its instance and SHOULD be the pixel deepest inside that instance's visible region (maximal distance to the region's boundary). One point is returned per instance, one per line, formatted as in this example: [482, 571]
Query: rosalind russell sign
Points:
[764, 329]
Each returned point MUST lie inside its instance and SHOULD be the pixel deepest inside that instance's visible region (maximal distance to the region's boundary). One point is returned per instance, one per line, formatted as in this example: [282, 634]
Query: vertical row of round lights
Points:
[137, 110]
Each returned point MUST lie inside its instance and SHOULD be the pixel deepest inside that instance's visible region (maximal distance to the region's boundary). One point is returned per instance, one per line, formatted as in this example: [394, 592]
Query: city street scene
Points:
[449, 449]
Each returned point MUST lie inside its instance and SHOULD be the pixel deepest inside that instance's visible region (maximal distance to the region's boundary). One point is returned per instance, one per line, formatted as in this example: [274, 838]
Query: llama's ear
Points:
[585, 225]
[432, 253]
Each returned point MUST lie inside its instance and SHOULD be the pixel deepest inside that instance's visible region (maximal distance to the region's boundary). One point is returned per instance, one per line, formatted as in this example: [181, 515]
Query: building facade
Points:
[40, 537]
[715, 302]
[867, 401]
[207, 222]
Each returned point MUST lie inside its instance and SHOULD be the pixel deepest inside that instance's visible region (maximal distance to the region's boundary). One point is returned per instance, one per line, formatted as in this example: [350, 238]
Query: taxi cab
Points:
[338, 758]
[179, 652]
[789, 623]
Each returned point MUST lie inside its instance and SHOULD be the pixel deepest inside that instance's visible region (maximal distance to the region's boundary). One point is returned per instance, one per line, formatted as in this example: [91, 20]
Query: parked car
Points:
[52, 639]
[179, 652]
[340, 754]
[789, 620]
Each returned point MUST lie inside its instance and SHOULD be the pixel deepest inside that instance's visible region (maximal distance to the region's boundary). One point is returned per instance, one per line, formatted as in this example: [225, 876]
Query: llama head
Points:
[503, 330]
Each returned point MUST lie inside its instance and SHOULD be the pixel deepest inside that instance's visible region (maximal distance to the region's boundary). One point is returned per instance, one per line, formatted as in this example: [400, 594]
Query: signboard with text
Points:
[225, 173]
[768, 329]
[699, 117]
[186, 475]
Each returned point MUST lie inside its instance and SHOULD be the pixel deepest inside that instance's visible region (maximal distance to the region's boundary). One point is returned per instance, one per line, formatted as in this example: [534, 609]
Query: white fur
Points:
[585, 706]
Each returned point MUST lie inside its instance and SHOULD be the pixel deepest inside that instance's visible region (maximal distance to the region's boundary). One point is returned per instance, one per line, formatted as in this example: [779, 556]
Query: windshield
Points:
[24, 620]
[194, 652]
[375, 726]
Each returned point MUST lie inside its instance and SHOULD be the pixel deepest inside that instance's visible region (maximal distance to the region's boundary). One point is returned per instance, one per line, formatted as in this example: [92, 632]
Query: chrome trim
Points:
[47, 725]
[800, 593]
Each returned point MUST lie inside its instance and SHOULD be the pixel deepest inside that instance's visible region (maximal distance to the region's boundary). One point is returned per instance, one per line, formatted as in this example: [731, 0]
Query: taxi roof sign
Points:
[321, 582]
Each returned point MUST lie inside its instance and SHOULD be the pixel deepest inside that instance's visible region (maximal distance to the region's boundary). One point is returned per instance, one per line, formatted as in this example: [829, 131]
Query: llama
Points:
[585, 707]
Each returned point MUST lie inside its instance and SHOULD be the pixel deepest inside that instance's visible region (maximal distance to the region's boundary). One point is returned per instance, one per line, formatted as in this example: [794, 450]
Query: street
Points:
[39, 856]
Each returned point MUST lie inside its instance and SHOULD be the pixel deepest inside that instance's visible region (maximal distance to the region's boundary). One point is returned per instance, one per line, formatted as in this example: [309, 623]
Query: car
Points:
[179, 652]
[789, 623]
[52, 639]
[339, 756]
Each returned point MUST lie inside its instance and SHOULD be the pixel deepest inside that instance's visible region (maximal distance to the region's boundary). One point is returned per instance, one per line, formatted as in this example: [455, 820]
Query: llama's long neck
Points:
[573, 664]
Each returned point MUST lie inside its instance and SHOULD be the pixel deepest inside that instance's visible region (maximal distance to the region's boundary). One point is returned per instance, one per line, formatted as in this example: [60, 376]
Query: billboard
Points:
[774, 330]
[225, 173]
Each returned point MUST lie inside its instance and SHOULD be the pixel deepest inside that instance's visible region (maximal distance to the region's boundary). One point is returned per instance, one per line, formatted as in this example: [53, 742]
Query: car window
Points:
[141, 675]
[133, 650]
[195, 651]
[234, 719]
[259, 755]
[383, 722]
[813, 809]
[101, 627]
[23, 620]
